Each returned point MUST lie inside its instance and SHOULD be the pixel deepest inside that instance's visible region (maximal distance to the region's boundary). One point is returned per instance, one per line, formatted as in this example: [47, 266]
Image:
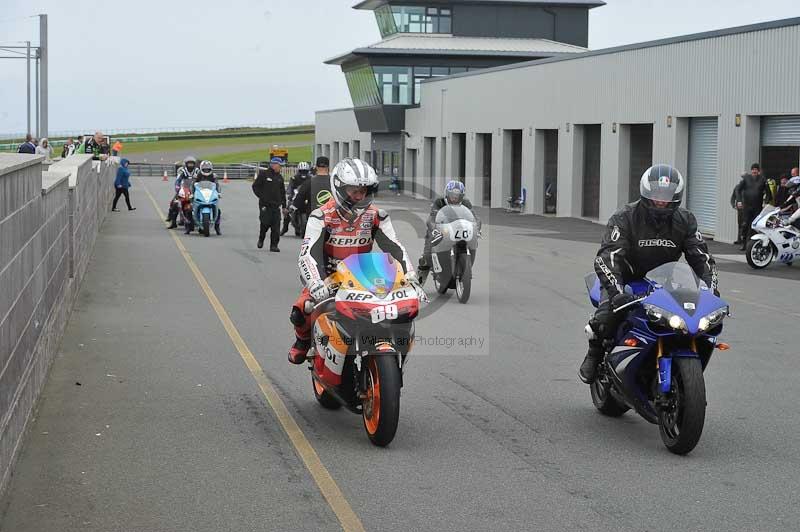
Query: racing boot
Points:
[218, 229]
[588, 371]
[423, 269]
[298, 351]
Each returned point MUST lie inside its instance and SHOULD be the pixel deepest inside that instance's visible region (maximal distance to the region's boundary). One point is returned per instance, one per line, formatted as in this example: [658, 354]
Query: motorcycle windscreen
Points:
[767, 212]
[678, 280]
[451, 213]
[378, 273]
[593, 287]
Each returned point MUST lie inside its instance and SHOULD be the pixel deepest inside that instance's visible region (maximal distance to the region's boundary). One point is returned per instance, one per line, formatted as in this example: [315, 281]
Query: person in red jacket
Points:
[347, 224]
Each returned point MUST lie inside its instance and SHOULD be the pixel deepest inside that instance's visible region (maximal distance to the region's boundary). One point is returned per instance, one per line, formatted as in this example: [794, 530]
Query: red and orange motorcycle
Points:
[362, 339]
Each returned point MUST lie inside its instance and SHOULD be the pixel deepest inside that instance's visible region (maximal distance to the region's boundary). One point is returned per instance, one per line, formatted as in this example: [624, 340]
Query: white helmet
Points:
[303, 167]
[350, 174]
[206, 168]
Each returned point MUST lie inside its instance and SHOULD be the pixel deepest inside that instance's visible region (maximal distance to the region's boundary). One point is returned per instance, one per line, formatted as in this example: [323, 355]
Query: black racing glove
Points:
[620, 300]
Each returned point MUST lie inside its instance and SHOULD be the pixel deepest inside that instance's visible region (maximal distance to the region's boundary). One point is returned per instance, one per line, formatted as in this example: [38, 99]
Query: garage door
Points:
[702, 174]
[780, 131]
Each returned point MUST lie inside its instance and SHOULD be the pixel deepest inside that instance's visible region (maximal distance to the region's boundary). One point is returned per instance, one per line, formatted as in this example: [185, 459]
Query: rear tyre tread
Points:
[604, 401]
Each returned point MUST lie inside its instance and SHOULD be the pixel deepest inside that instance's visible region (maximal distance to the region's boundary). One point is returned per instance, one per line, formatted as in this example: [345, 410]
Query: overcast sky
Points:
[170, 63]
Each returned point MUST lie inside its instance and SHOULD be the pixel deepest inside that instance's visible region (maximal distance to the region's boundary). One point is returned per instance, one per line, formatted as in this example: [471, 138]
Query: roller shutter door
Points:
[780, 130]
[702, 175]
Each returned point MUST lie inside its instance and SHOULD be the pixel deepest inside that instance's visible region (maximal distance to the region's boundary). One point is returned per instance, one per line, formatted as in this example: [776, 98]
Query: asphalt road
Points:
[168, 430]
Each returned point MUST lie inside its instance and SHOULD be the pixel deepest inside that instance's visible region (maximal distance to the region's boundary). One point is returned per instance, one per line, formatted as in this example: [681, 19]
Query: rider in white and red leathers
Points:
[347, 224]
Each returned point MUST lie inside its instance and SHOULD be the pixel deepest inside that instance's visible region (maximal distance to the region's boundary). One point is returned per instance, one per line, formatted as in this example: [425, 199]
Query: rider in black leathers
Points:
[640, 237]
[302, 175]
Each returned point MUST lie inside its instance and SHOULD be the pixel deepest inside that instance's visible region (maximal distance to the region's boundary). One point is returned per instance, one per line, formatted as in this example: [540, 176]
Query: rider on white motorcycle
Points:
[453, 195]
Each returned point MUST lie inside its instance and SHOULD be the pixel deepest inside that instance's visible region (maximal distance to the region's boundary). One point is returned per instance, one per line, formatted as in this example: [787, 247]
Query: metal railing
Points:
[234, 171]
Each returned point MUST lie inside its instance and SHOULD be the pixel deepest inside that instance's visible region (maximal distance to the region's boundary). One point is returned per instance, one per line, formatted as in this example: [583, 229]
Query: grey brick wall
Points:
[48, 224]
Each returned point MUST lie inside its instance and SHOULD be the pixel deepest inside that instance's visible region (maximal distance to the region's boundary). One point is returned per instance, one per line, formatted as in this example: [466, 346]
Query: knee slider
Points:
[297, 318]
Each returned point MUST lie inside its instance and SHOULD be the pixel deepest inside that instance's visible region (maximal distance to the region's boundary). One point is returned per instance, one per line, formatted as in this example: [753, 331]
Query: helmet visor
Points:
[454, 196]
[358, 197]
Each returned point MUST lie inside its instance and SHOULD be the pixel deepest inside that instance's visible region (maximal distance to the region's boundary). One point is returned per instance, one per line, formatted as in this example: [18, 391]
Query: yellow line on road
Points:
[330, 490]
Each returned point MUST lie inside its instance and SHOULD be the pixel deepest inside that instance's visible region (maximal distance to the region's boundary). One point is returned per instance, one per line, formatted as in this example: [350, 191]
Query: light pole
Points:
[28, 72]
[36, 70]
[43, 54]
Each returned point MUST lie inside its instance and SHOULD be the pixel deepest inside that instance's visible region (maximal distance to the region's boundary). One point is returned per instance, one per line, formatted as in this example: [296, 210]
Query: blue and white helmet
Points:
[454, 192]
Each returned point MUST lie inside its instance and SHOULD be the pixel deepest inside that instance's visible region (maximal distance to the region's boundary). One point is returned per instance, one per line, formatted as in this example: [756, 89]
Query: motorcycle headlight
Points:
[665, 318]
[713, 319]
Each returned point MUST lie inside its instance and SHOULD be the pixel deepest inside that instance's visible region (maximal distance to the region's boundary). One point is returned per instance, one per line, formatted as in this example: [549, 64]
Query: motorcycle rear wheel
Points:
[764, 255]
[604, 401]
[680, 423]
[440, 287]
[324, 398]
[381, 408]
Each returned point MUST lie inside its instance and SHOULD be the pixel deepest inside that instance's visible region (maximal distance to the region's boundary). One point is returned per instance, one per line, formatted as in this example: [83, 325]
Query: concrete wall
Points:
[48, 224]
[334, 127]
[722, 75]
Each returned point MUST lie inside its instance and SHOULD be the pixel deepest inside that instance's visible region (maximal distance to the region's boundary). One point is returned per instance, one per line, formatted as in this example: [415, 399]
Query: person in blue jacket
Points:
[122, 183]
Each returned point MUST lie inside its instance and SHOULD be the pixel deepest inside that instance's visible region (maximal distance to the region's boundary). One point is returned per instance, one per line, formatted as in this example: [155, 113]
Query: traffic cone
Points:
[165, 176]
[225, 177]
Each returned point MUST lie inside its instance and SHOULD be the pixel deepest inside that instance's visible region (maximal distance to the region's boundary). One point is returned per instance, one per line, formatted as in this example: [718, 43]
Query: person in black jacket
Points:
[316, 191]
[302, 175]
[751, 193]
[640, 237]
[97, 146]
[28, 146]
[271, 192]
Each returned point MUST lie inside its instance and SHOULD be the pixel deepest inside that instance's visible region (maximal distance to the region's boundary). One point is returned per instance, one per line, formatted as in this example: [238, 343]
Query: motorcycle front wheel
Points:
[681, 420]
[381, 407]
[759, 255]
[464, 279]
[206, 224]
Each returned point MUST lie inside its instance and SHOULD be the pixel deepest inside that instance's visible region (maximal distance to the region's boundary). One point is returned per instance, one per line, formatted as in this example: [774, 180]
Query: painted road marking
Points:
[327, 486]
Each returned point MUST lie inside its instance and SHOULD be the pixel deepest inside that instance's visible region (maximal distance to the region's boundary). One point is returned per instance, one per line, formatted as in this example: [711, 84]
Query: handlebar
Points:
[627, 305]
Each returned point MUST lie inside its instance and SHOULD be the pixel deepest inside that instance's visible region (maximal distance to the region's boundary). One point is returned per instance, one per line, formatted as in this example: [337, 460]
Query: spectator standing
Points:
[271, 192]
[69, 148]
[315, 192]
[782, 194]
[28, 146]
[44, 149]
[750, 194]
[116, 149]
[122, 183]
[772, 186]
[97, 146]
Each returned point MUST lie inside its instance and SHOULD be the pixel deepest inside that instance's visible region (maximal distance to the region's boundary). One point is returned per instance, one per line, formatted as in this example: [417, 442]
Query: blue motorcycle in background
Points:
[655, 362]
[205, 208]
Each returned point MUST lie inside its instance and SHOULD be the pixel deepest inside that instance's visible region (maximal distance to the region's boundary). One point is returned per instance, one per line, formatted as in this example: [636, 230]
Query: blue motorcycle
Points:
[205, 208]
[655, 363]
